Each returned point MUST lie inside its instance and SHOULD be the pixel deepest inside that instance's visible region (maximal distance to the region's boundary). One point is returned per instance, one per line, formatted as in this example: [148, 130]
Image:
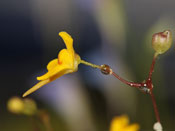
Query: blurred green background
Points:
[113, 32]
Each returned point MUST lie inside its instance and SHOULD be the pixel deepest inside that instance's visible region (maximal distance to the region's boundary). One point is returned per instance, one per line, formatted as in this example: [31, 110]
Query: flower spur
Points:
[67, 62]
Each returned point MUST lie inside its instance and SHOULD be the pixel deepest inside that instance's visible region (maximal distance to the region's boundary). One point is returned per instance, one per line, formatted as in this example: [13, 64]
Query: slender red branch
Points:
[152, 67]
[155, 106]
[150, 86]
[132, 84]
[146, 87]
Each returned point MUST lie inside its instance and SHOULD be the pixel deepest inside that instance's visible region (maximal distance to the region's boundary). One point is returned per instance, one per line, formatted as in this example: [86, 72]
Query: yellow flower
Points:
[67, 62]
[121, 123]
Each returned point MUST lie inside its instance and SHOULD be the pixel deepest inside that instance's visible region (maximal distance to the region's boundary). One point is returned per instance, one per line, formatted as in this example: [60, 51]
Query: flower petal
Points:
[64, 58]
[119, 123]
[67, 40]
[69, 43]
[52, 64]
[36, 87]
[54, 71]
[44, 82]
[61, 73]
[132, 127]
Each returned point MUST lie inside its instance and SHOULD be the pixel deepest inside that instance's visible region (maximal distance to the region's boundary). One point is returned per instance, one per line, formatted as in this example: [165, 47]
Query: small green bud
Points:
[162, 41]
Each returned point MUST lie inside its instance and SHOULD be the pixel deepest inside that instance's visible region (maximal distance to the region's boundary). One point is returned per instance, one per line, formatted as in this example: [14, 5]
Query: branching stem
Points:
[146, 87]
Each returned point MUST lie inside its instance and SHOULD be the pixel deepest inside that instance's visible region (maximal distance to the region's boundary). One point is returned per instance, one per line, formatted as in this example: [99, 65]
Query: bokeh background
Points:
[113, 32]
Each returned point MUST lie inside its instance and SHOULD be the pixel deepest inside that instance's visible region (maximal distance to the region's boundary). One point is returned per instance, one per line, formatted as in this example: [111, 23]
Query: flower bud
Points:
[21, 106]
[30, 107]
[162, 41]
[15, 105]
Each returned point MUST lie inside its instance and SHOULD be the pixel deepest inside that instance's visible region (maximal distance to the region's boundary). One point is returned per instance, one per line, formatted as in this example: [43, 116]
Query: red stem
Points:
[132, 84]
[152, 67]
[148, 84]
[155, 106]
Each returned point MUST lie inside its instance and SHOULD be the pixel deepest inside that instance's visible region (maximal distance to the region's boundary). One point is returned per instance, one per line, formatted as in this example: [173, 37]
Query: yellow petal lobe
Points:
[53, 72]
[36, 87]
[65, 58]
[132, 127]
[52, 64]
[121, 123]
[68, 41]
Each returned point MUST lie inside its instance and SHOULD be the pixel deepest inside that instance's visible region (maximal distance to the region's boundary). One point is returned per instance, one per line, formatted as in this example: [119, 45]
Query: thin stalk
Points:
[155, 106]
[90, 64]
[132, 84]
[148, 85]
[152, 66]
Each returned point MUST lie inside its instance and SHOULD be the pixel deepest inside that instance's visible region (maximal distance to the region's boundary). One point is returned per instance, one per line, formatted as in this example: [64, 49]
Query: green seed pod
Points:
[162, 41]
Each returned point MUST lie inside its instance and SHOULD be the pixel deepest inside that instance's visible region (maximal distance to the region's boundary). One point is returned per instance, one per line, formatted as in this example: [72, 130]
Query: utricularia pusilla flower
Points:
[67, 62]
[162, 41]
[121, 123]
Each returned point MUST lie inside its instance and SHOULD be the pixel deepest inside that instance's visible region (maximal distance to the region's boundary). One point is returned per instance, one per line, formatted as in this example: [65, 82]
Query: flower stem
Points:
[155, 106]
[90, 64]
[132, 84]
[146, 87]
[45, 119]
[152, 66]
[150, 86]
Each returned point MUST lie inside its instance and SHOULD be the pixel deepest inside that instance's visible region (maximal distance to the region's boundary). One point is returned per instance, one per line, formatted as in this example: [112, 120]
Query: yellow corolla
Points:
[67, 62]
[121, 123]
